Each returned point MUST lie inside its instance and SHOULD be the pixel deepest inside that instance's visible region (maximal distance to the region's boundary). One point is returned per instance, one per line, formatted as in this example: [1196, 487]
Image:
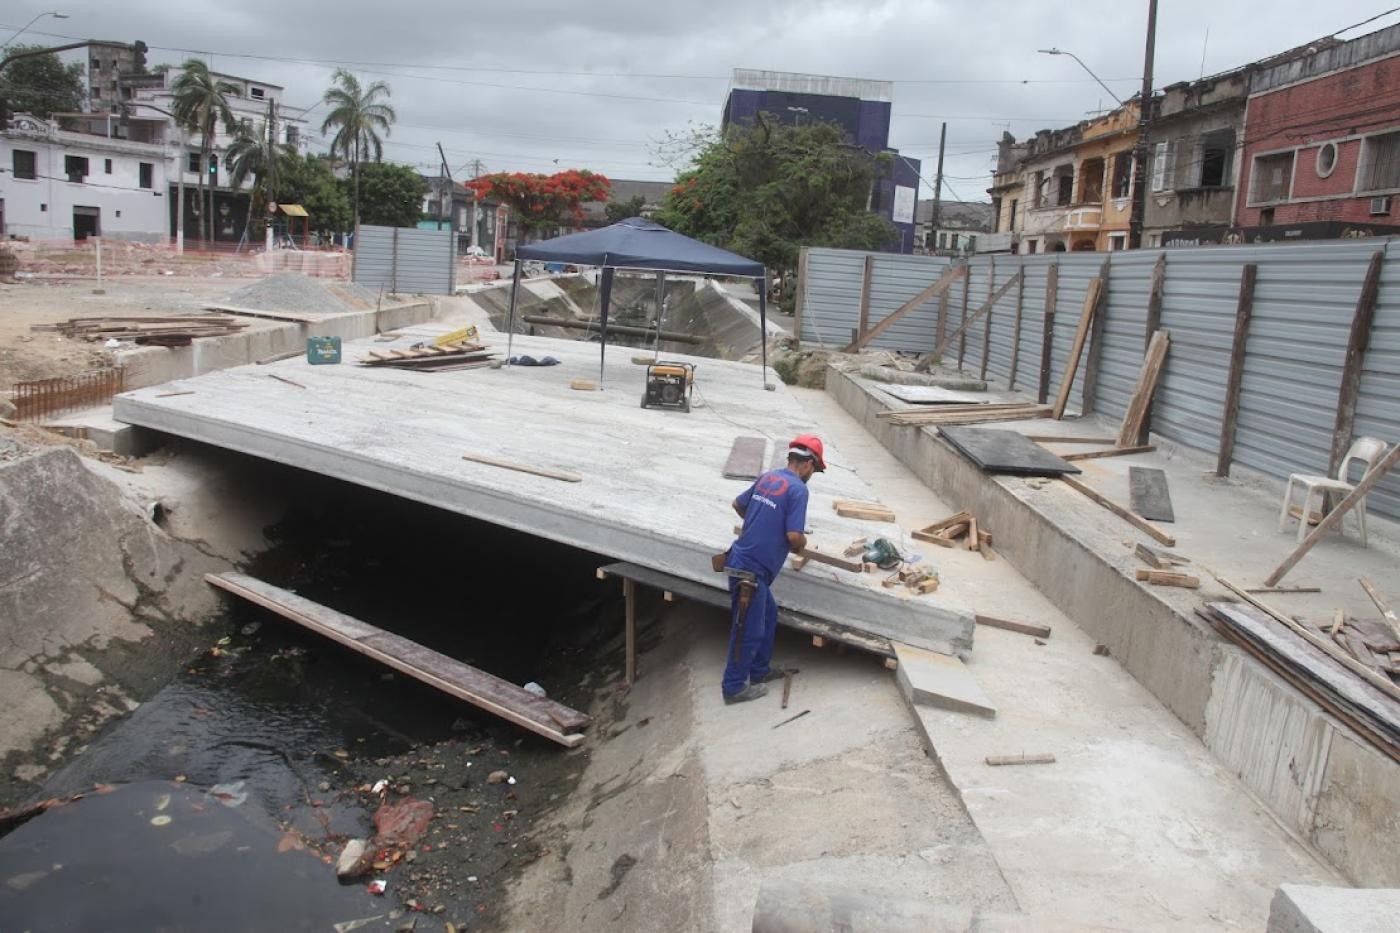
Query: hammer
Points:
[748, 584]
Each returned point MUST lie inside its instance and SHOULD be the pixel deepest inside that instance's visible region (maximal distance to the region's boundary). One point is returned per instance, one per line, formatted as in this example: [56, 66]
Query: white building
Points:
[56, 184]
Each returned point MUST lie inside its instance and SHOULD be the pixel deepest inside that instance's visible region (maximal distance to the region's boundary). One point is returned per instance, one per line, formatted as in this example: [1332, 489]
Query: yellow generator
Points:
[669, 385]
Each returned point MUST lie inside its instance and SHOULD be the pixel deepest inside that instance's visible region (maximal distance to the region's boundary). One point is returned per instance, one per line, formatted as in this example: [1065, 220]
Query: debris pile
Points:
[167, 331]
[299, 294]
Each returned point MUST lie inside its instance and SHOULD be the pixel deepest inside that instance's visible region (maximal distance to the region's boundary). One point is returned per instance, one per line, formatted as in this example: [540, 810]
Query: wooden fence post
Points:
[864, 324]
[1090, 396]
[1243, 309]
[1154, 323]
[962, 338]
[1016, 328]
[987, 324]
[1356, 355]
[1052, 288]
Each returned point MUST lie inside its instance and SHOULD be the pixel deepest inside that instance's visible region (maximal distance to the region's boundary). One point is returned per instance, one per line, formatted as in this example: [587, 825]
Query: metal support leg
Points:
[629, 596]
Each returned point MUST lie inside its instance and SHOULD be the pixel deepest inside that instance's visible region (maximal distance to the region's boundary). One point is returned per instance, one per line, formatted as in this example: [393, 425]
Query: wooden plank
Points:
[1322, 644]
[1372, 477]
[1149, 495]
[1169, 578]
[863, 324]
[1284, 589]
[1094, 351]
[1044, 758]
[1071, 439]
[1110, 452]
[987, 321]
[956, 408]
[475, 686]
[945, 282]
[1141, 400]
[962, 328]
[1158, 559]
[629, 599]
[1357, 345]
[1154, 323]
[1016, 327]
[1076, 350]
[866, 511]
[584, 385]
[998, 451]
[1244, 308]
[1135, 520]
[973, 542]
[942, 329]
[1047, 339]
[971, 417]
[984, 308]
[1025, 628]
[1388, 614]
[745, 458]
[562, 475]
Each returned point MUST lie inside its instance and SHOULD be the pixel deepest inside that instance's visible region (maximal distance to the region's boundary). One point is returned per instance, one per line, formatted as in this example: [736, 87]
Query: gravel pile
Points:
[301, 294]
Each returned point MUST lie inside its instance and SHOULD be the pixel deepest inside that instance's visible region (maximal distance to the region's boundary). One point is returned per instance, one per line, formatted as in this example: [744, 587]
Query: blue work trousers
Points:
[756, 648]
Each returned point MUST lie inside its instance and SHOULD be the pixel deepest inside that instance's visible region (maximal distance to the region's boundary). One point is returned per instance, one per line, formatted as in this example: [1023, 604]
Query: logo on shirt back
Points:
[772, 484]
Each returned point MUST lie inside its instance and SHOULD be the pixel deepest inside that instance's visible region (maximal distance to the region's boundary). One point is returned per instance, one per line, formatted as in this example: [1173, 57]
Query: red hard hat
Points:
[810, 443]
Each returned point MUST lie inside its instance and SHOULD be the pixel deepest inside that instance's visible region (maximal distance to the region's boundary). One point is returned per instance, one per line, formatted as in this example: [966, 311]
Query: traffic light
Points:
[213, 165]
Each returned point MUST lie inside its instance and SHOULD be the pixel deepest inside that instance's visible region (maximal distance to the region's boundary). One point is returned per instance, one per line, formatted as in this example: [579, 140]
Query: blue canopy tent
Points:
[637, 243]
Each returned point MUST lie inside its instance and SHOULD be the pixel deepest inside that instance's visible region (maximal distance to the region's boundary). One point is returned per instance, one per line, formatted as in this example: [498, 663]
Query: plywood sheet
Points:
[1149, 495]
[1005, 452]
[745, 458]
[933, 395]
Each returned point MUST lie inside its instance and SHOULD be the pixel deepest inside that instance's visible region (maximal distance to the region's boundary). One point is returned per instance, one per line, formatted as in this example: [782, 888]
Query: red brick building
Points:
[1321, 143]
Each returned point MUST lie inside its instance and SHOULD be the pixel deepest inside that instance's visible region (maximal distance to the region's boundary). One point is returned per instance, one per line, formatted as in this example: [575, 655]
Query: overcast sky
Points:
[523, 83]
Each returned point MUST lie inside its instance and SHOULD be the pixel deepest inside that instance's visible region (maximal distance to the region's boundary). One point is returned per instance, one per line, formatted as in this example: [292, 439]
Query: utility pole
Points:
[442, 184]
[1140, 150]
[476, 223]
[938, 188]
[270, 183]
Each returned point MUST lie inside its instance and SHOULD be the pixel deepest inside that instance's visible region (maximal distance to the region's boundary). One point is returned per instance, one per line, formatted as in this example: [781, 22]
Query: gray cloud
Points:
[625, 73]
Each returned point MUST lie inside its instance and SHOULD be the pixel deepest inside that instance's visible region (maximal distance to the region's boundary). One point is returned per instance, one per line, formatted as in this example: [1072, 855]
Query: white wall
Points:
[43, 207]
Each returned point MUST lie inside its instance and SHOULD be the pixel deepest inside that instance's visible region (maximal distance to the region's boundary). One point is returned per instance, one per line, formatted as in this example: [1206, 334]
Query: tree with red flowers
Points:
[541, 202]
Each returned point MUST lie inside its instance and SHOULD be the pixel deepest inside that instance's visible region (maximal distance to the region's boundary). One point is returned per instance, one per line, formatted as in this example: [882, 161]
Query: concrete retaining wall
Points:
[1337, 792]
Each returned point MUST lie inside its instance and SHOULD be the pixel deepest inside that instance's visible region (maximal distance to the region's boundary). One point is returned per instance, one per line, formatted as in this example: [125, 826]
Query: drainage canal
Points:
[223, 802]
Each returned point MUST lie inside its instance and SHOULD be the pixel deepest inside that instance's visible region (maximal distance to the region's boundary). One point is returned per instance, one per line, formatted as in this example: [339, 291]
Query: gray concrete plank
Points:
[933, 679]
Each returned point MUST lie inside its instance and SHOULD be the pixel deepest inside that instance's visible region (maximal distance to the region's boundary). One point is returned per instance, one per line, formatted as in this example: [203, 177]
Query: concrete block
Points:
[939, 680]
[1300, 908]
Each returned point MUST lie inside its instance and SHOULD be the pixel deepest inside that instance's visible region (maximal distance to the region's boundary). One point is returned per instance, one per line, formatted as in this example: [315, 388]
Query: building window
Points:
[1064, 185]
[24, 164]
[148, 171]
[256, 93]
[1164, 166]
[1380, 162]
[1272, 178]
[1122, 175]
[1117, 242]
[1216, 151]
[1154, 239]
[1038, 190]
[1326, 159]
[1011, 221]
[996, 214]
[1266, 217]
[193, 163]
[107, 166]
[293, 134]
[1032, 245]
[75, 167]
[1091, 181]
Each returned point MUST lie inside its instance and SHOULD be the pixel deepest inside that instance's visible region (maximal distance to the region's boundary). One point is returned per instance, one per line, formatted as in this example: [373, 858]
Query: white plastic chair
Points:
[1368, 450]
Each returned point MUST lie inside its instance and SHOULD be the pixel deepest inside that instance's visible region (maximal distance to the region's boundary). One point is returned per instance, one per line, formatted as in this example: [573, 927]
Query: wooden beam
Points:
[1154, 323]
[1140, 402]
[962, 326]
[864, 323]
[1047, 338]
[1016, 327]
[987, 320]
[1372, 477]
[1089, 400]
[1111, 452]
[1386, 612]
[1244, 307]
[1076, 350]
[982, 309]
[1025, 628]
[1023, 759]
[1357, 345]
[1324, 645]
[1070, 439]
[500, 697]
[1126, 514]
[945, 282]
[562, 475]
[629, 599]
[1169, 578]
[942, 328]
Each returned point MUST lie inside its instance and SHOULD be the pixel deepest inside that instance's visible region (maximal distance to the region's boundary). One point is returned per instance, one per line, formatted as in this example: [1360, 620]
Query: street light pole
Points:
[1085, 67]
[1140, 149]
[10, 41]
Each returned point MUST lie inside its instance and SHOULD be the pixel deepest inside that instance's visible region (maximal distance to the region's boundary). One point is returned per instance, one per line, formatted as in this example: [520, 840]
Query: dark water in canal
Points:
[205, 808]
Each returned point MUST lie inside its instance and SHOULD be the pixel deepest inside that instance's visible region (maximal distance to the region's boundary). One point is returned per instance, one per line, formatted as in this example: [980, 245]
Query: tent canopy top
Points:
[638, 243]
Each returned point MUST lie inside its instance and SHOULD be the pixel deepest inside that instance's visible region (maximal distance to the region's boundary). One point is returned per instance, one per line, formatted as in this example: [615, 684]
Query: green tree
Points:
[621, 210]
[391, 195]
[358, 115]
[41, 85]
[768, 190]
[201, 106]
[259, 156]
[308, 181]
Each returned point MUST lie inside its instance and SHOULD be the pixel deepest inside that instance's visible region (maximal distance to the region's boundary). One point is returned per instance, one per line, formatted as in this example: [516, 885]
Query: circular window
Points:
[1326, 159]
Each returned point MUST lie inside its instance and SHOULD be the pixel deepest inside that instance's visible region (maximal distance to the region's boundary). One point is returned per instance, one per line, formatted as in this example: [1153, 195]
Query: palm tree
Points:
[358, 115]
[261, 157]
[200, 105]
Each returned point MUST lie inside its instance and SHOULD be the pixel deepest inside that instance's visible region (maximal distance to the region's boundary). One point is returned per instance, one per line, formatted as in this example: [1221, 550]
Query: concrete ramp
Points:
[651, 491]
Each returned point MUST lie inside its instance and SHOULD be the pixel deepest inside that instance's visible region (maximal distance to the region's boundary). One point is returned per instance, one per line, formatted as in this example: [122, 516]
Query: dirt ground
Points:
[26, 354]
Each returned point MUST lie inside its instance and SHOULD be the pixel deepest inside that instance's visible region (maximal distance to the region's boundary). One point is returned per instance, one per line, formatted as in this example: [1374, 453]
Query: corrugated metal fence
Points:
[1305, 299]
[403, 260]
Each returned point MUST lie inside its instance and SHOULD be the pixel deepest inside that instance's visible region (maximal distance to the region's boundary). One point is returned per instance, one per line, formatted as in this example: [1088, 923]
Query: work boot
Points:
[751, 692]
[774, 673]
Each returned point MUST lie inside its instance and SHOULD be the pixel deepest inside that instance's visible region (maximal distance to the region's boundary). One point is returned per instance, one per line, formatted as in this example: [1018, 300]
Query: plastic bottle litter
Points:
[535, 688]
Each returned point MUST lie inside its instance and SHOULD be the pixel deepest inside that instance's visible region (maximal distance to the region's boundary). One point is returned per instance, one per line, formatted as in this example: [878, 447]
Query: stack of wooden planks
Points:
[453, 356]
[946, 533]
[168, 331]
[966, 414]
[1360, 697]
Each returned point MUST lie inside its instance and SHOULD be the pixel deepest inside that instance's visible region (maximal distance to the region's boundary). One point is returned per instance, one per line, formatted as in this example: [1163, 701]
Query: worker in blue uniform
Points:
[774, 510]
